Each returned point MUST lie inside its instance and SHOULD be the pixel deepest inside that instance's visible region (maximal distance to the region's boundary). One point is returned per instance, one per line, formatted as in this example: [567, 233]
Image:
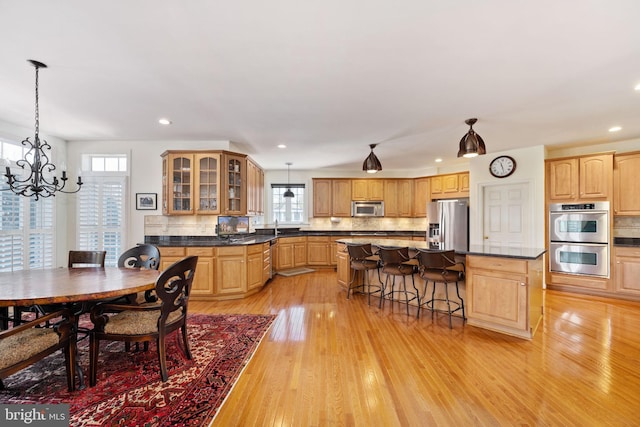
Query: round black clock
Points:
[502, 166]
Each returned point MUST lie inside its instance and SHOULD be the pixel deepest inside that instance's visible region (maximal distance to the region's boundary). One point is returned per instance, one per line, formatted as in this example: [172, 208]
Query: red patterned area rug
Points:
[129, 391]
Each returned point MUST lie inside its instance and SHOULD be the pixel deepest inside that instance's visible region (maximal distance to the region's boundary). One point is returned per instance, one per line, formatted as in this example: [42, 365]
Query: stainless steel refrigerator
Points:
[448, 225]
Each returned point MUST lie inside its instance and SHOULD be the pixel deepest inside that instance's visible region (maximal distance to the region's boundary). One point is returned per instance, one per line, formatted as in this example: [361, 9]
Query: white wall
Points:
[530, 168]
[145, 174]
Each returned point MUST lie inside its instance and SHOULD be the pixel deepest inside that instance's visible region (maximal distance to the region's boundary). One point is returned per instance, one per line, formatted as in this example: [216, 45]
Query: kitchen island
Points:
[502, 289]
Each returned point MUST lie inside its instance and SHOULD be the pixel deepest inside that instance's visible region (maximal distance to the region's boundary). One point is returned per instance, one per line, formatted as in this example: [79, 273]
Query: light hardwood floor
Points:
[329, 361]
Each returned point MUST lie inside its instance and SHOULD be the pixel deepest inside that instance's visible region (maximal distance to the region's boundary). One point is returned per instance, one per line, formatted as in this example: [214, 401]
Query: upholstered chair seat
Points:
[138, 322]
[22, 346]
[29, 342]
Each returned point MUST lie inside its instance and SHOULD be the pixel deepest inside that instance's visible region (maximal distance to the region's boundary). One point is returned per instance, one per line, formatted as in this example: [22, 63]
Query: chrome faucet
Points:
[276, 228]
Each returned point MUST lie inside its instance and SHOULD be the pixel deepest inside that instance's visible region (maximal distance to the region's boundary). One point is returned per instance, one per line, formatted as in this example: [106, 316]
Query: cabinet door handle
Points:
[523, 284]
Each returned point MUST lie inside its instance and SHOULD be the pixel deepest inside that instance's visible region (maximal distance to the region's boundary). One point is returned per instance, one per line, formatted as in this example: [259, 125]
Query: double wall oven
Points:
[579, 238]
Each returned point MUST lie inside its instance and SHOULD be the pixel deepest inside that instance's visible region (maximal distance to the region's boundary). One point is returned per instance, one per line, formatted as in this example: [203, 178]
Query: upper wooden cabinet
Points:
[398, 198]
[331, 197]
[450, 186]
[177, 184]
[322, 195]
[626, 189]
[255, 189]
[210, 182]
[580, 178]
[367, 189]
[421, 196]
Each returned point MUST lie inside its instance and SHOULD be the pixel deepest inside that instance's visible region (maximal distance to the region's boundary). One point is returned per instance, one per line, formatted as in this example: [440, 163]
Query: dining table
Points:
[74, 287]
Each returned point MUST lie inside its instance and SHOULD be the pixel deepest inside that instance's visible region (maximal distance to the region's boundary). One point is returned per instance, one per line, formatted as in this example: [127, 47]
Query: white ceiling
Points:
[326, 77]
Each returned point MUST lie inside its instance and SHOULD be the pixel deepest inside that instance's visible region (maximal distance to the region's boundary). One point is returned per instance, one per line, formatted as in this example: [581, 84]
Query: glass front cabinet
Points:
[204, 183]
[177, 184]
[236, 185]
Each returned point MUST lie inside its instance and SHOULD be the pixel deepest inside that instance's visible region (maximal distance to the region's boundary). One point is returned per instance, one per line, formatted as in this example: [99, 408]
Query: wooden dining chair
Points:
[81, 259]
[141, 256]
[146, 322]
[29, 342]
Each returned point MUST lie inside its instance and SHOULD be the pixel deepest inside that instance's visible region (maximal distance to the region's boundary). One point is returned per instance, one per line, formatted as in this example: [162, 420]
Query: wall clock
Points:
[502, 166]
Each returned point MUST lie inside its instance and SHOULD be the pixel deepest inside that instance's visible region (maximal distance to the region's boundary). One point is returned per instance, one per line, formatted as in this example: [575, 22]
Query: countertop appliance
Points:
[579, 238]
[448, 225]
[372, 208]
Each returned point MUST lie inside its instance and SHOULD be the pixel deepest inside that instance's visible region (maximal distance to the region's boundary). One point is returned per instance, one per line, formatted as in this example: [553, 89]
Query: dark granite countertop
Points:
[632, 242]
[207, 241]
[482, 250]
[264, 235]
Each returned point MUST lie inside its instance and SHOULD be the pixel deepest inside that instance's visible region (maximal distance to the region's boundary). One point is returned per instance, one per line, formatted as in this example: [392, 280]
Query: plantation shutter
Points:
[101, 216]
[26, 232]
[40, 232]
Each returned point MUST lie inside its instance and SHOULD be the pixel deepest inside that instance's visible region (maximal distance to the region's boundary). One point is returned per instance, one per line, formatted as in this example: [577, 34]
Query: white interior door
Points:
[507, 215]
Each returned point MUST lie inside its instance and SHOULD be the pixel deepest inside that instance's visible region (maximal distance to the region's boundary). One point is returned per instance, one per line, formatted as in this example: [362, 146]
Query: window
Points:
[288, 210]
[101, 206]
[27, 238]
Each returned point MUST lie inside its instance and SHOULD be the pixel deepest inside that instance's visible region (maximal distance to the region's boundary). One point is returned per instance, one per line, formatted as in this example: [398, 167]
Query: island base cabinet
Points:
[504, 295]
[343, 268]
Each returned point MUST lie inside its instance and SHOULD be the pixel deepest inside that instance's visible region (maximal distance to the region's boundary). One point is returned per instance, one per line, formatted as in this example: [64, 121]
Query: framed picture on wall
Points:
[146, 201]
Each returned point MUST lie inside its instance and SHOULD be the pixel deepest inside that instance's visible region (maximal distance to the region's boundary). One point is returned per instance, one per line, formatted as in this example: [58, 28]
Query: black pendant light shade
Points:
[371, 163]
[471, 144]
[288, 193]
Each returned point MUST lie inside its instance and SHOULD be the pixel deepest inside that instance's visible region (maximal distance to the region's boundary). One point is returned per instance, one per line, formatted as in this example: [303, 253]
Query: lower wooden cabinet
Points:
[255, 264]
[318, 250]
[504, 294]
[226, 272]
[231, 270]
[292, 252]
[204, 279]
[627, 271]
[343, 265]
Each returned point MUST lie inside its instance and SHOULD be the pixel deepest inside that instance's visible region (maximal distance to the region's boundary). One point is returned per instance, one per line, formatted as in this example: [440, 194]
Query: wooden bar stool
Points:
[440, 267]
[394, 264]
[361, 258]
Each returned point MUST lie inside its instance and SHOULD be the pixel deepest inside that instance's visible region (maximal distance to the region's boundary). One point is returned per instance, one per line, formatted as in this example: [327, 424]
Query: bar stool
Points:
[440, 267]
[361, 258]
[394, 265]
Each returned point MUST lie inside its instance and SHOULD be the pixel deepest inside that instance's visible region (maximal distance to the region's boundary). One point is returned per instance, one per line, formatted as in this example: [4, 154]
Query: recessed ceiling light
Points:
[164, 122]
[438, 160]
[638, 87]
[282, 146]
[615, 129]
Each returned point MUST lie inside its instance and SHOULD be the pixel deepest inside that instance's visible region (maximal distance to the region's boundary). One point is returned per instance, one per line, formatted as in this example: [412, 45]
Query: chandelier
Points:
[36, 161]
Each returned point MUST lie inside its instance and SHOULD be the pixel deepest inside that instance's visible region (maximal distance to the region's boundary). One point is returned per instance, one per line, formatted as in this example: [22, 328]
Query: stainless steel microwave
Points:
[374, 208]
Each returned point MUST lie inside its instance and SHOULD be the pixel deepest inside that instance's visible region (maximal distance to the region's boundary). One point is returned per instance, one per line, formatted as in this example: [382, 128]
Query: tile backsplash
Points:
[626, 226]
[205, 225]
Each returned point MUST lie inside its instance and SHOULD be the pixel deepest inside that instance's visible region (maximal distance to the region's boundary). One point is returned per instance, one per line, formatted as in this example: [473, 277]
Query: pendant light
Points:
[371, 163]
[471, 143]
[288, 193]
[36, 162]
